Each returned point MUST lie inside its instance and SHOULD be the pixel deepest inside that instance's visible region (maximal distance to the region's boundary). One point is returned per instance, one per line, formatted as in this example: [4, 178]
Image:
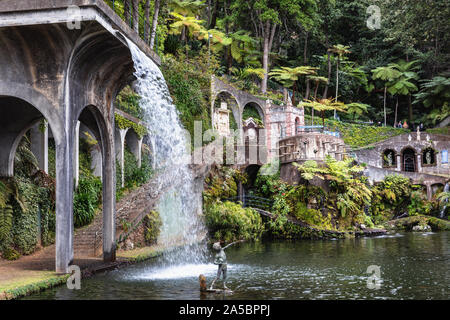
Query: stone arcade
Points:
[67, 76]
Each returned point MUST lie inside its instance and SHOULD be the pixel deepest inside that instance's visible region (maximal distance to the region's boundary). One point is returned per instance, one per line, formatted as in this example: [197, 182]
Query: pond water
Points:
[413, 266]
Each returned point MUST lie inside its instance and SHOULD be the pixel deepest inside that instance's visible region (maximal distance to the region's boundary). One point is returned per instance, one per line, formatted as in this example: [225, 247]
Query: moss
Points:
[189, 83]
[128, 101]
[153, 223]
[358, 135]
[409, 222]
[123, 123]
[29, 286]
[444, 130]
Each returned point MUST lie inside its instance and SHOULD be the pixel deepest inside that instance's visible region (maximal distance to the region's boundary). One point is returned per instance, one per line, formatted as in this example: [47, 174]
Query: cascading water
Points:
[180, 197]
[446, 189]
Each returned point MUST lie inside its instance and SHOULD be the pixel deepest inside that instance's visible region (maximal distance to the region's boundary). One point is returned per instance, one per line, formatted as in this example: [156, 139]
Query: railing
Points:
[119, 9]
[252, 202]
[319, 129]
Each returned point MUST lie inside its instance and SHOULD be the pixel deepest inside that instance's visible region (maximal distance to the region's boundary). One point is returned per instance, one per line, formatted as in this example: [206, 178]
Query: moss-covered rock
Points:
[408, 223]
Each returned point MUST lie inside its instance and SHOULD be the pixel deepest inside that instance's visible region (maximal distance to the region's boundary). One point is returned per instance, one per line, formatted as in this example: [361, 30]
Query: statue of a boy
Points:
[220, 259]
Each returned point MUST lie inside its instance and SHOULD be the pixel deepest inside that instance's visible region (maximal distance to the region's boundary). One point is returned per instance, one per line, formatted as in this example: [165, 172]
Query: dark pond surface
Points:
[412, 265]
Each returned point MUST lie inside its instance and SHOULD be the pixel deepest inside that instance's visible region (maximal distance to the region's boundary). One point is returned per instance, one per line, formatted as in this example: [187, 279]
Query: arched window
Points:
[389, 158]
[429, 157]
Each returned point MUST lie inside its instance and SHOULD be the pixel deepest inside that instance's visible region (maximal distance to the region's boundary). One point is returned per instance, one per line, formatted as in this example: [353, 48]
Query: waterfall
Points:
[446, 189]
[180, 202]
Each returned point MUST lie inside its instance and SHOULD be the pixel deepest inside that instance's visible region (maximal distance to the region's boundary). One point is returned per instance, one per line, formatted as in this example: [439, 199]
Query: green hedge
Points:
[358, 135]
[228, 221]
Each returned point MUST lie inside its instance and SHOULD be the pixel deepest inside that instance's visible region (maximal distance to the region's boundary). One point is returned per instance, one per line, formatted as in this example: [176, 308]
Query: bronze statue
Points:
[220, 259]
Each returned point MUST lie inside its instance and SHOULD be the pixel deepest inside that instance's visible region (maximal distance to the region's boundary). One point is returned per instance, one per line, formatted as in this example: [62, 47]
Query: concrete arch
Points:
[235, 109]
[258, 108]
[37, 100]
[216, 95]
[95, 120]
[134, 142]
[17, 116]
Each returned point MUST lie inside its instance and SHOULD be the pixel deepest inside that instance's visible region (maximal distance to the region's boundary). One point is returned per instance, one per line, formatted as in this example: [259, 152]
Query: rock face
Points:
[421, 228]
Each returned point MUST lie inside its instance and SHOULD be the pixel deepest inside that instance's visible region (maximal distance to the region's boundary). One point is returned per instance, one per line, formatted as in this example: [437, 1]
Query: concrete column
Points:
[399, 162]
[419, 162]
[39, 145]
[429, 192]
[64, 205]
[96, 165]
[76, 154]
[135, 145]
[109, 199]
[120, 151]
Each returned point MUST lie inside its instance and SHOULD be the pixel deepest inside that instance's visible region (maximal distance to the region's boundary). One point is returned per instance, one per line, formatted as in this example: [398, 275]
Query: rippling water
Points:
[413, 266]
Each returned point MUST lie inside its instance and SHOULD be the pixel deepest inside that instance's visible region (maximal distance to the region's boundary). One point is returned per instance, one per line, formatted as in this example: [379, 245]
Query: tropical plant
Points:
[186, 7]
[323, 105]
[386, 74]
[186, 26]
[289, 76]
[357, 109]
[404, 85]
[433, 92]
[340, 50]
[229, 221]
[352, 194]
[439, 114]
[317, 81]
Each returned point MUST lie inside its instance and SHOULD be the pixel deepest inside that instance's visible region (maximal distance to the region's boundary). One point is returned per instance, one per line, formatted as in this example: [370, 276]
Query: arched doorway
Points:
[409, 160]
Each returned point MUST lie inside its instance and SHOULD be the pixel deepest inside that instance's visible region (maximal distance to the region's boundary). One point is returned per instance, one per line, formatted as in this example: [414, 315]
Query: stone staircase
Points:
[131, 208]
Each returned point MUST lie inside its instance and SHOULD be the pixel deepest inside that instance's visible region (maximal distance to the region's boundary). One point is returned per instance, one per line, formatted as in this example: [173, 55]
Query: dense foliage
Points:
[228, 221]
[27, 206]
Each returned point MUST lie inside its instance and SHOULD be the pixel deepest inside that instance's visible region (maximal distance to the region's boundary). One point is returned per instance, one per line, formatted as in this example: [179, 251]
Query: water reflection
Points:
[413, 266]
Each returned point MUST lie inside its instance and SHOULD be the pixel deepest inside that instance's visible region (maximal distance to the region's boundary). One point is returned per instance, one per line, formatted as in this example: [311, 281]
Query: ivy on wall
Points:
[358, 135]
[123, 123]
[27, 206]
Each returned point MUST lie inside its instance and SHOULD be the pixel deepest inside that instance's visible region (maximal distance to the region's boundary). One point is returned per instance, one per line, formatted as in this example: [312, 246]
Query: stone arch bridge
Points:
[67, 75]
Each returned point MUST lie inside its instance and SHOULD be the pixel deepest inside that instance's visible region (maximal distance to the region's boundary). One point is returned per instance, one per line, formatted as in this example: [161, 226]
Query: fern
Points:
[6, 223]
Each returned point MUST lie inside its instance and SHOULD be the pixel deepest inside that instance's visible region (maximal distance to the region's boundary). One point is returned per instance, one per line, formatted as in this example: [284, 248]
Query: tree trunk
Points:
[315, 91]
[154, 23]
[127, 11]
[294, 89]
[410, 109]
[308, 89]
[396, 108]
[325, 92]
[265, 58]
[136, 15]
[315, 99]
[305, 49]
[337, 84]
[213, 21]
[384, 105]
[147, 20]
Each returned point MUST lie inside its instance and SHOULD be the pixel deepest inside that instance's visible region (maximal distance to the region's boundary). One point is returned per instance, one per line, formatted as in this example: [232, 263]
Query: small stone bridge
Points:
[52, 69]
